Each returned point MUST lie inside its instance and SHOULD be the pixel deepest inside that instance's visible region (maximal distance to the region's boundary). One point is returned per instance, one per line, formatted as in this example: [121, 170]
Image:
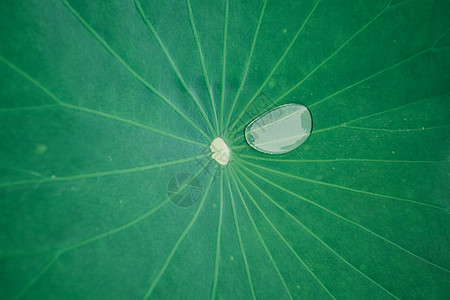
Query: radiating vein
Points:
[401, 3]
[345, 219]
[25, 254]
[180, 239]
[344, 187]
[431, 48]
[202, 60]
[286, 160]
[247, 65]
[108, 233]
[381, 113]
[329, 248]
[219, 236]
[239, 137]
[27, 108]
[370, 77]
[397, 130]
[288, 49]
[101, 174]
[132, 71]
[38, 276]
[91, 111]
[234, 148]
[130, 122]
[20, 170]
[241, 244]
[31, 79]
[141, 217]
[224, 65]
[320, 65]
[439, 39]
[261, 239]
[173, 65]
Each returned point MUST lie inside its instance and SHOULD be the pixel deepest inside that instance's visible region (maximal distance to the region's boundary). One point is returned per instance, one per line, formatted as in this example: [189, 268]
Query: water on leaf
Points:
[280, 130]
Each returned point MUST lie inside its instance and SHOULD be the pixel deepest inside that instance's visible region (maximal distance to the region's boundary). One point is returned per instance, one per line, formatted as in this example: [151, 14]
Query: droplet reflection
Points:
[280, 130]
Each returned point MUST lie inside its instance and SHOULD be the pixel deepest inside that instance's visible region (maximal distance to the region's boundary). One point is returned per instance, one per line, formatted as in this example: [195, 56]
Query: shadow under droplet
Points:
[187, 196]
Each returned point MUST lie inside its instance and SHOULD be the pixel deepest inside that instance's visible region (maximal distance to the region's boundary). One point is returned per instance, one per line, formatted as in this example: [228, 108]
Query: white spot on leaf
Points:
[221, 152]
[41, 149]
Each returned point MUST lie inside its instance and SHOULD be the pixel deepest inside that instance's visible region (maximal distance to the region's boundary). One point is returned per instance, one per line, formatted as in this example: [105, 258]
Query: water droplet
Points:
[280, 130]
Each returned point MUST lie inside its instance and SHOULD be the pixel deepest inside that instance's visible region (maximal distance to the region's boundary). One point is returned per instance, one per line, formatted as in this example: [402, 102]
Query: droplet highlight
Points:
[280, 130]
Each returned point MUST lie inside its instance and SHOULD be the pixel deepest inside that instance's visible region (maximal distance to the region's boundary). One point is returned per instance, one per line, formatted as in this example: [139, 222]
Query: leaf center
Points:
[220, 150]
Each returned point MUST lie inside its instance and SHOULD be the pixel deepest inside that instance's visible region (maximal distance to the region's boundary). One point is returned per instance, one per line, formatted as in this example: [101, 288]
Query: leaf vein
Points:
[344, 187]
[309, 231]
[202, 60]
[349, 221]
[100, 174]
[131, 70]
[288, 49]
[241, 244]
[180, 239]
[261, 239]
[172, 63]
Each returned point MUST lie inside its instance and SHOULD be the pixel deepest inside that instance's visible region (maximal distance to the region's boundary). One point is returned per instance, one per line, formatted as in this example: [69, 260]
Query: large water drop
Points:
[280, 130]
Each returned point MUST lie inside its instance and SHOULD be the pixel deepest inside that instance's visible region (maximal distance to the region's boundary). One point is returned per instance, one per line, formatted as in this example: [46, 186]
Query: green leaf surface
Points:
[108, 189]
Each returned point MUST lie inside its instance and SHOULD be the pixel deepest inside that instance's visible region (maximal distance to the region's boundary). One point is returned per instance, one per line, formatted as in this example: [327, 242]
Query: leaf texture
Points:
[106, 105]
